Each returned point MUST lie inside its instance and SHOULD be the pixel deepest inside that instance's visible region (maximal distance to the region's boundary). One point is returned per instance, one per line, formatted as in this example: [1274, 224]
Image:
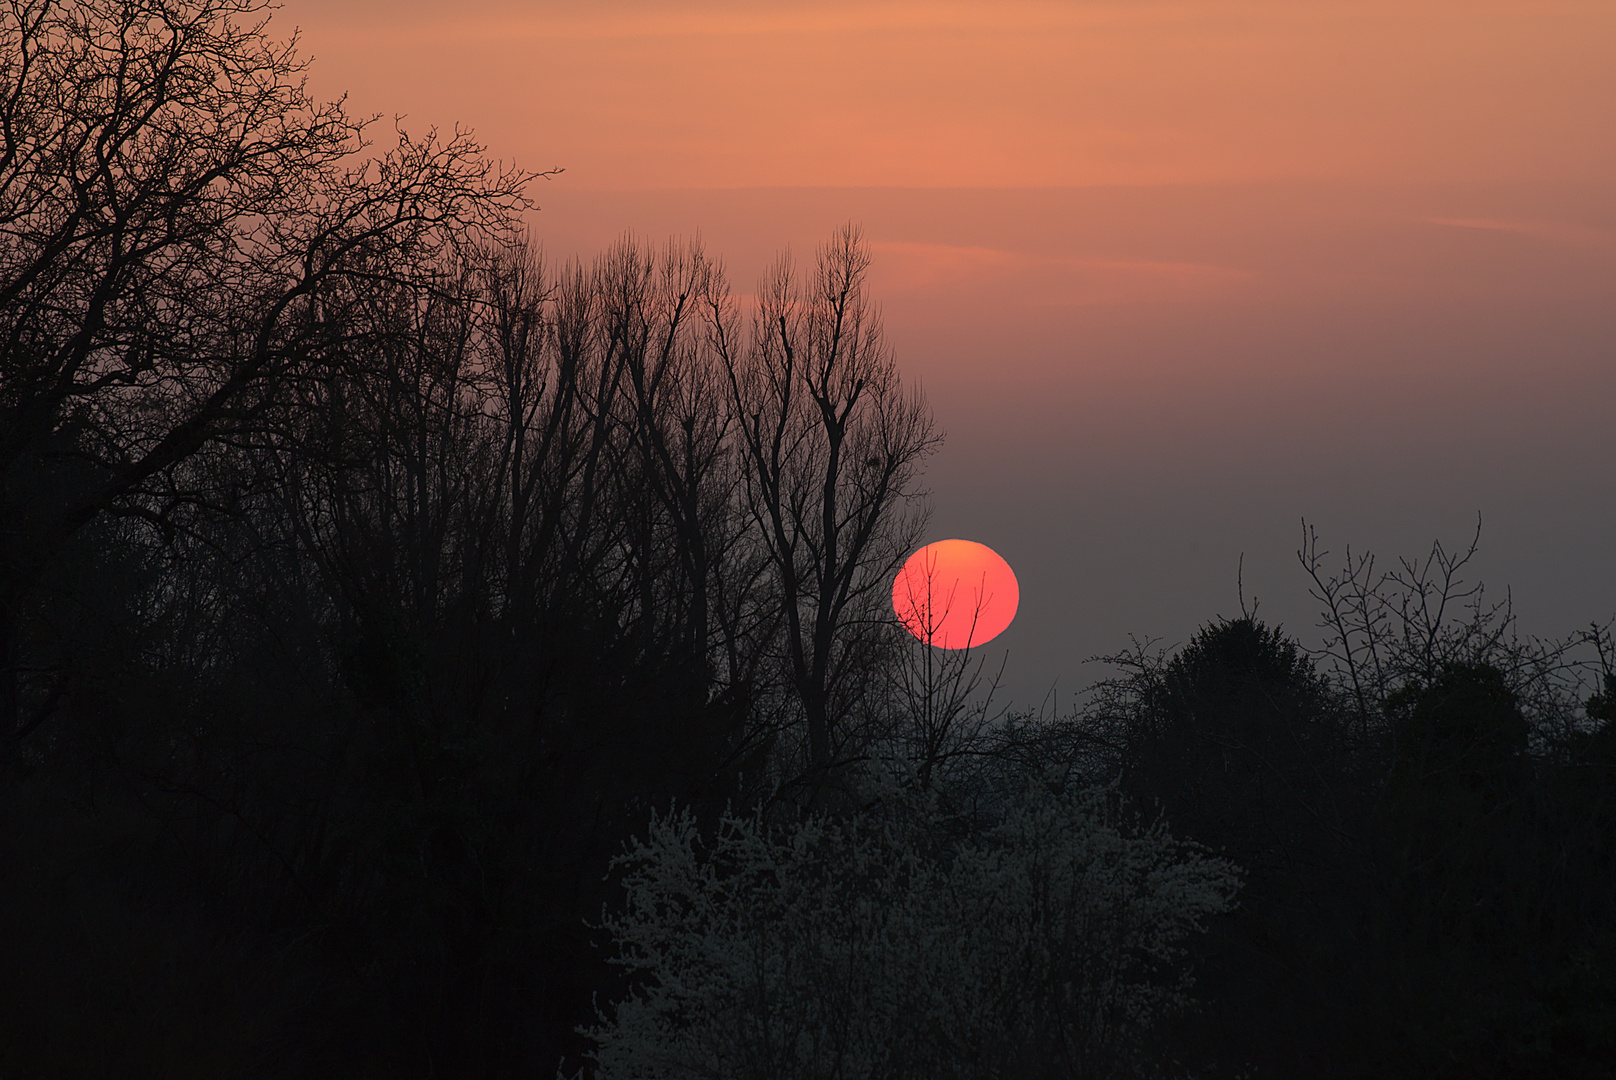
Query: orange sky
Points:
[1173, 275]
[950, 94]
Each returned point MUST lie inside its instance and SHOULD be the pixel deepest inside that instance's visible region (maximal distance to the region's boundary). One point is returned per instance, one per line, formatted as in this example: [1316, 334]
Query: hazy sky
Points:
[1174, 276]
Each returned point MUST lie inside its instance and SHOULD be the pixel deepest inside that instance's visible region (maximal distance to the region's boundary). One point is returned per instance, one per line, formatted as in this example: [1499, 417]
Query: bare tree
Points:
[172, 205]
[833, 443]
[945, 704]
[1385, 631]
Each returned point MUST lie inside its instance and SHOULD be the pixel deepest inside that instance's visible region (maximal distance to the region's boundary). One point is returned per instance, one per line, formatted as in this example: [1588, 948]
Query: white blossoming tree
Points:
[1047, 945]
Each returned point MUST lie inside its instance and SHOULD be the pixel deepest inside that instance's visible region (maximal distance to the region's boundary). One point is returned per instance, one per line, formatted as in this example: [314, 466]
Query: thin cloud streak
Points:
[605, 21]
[1558, 232]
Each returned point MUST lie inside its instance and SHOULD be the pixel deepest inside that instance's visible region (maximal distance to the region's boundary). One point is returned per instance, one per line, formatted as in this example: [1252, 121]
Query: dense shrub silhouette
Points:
[1047, 945]
[1464, 728]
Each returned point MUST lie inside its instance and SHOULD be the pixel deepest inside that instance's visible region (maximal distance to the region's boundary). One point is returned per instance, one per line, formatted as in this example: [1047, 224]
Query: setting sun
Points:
[955, 593]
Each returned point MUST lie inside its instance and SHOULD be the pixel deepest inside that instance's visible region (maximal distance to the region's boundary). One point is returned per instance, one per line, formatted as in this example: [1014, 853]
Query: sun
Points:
[954, 594]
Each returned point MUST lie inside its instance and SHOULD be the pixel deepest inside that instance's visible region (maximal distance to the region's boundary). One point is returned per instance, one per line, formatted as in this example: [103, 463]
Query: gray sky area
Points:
[1139, 385]
[1175, 276]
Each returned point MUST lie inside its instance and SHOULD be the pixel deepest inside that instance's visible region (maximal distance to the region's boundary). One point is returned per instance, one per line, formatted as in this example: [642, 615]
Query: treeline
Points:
[1425, 811]
[372, 687]
[365, 581]
[368, 585]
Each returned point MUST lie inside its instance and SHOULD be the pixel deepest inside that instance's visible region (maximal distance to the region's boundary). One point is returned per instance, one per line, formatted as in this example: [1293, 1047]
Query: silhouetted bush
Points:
[1046, 945]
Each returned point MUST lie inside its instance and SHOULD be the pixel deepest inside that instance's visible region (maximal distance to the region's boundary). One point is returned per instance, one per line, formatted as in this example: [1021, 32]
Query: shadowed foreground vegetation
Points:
[420, 660]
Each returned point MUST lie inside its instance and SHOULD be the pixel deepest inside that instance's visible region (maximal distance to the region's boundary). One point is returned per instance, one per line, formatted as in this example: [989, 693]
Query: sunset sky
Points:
[1174, 276]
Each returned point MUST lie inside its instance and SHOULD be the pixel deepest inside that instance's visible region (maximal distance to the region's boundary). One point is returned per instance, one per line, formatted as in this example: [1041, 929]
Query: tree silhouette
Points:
[832, 443]
[365, 582]
[1232, 735]
[172, 204]
[1464, 728]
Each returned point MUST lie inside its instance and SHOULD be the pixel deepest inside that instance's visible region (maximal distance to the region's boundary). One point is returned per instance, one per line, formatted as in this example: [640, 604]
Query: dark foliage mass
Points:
[366, 584]
[1425, 814]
